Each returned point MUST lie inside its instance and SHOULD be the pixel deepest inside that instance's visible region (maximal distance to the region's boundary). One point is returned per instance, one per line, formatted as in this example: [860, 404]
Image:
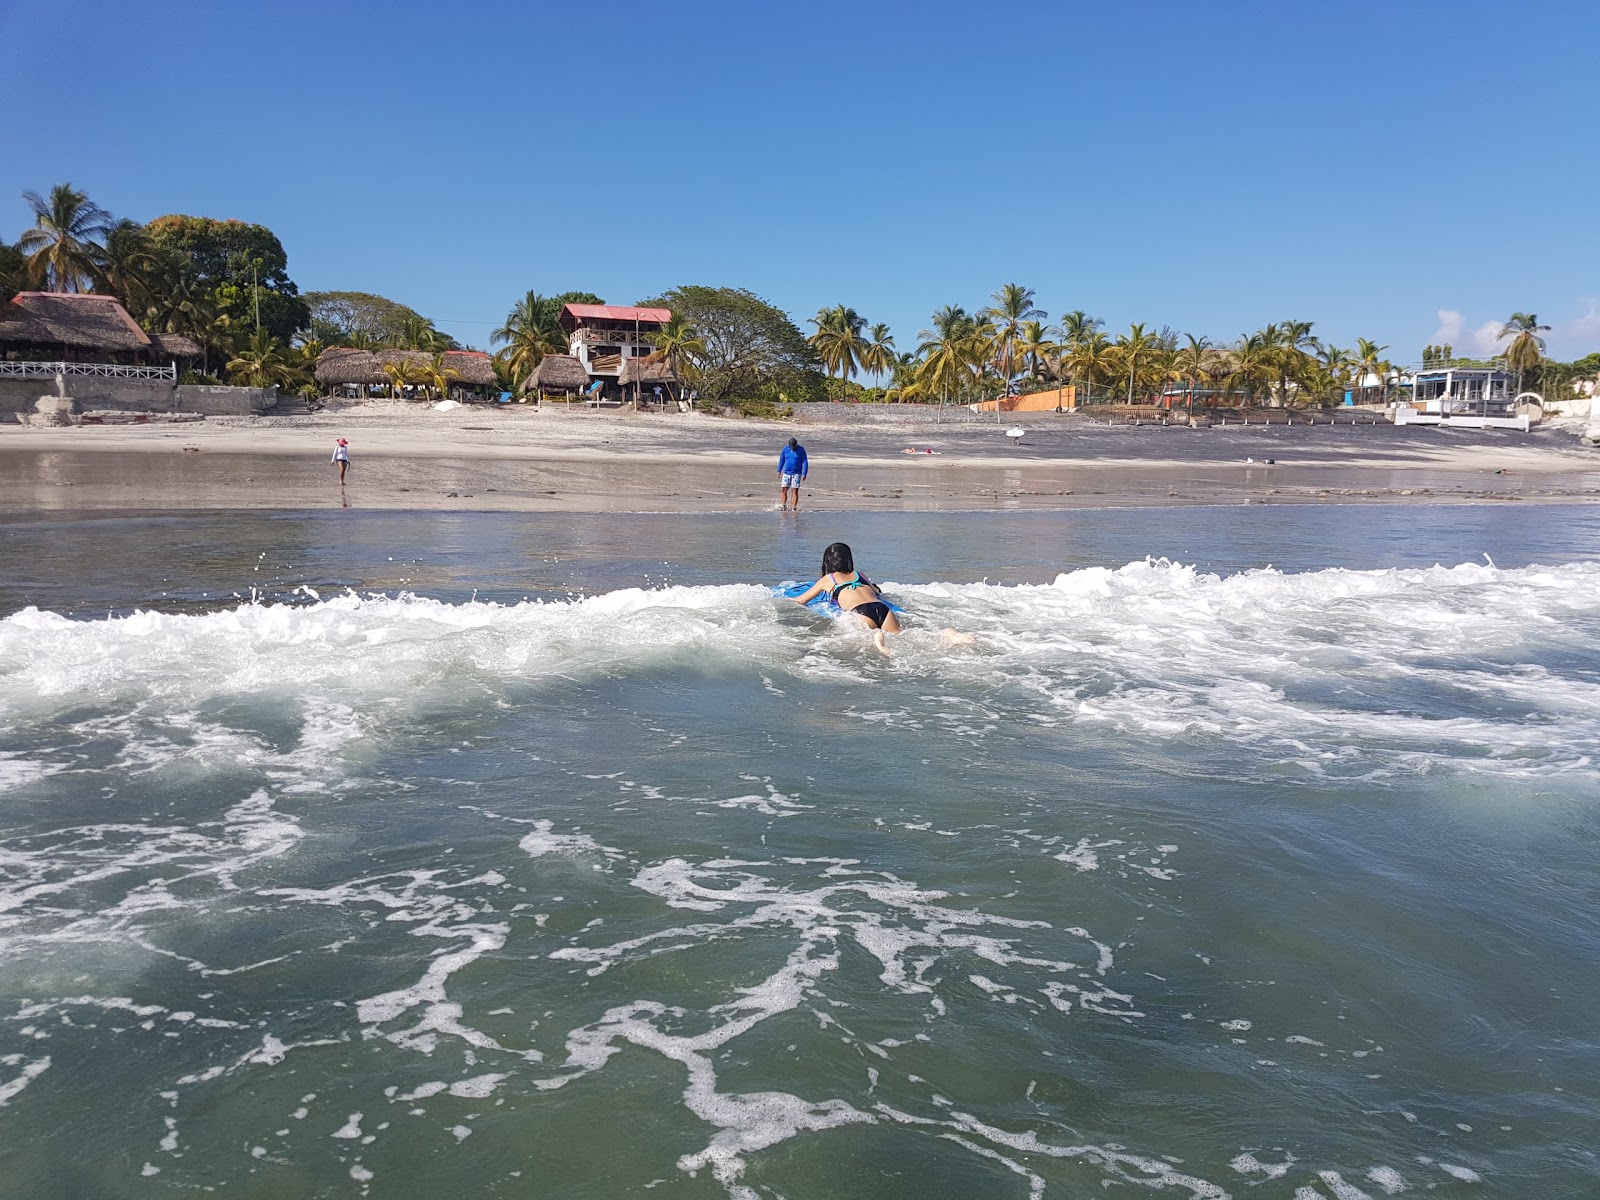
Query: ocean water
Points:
[1249, 852]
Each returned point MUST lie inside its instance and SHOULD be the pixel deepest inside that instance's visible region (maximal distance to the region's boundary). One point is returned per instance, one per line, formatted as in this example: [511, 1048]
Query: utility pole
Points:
[255, 284]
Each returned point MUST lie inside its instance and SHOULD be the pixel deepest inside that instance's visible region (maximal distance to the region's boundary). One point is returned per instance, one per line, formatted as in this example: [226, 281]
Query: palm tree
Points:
[1035, 347]
[438, 376]
[947, 352]
[63, 254]
[1090, 359]
[1253, 360]
[402, 373]
[680, 346]
[1078, 328]
[260, 362]
[1369, 360]
[837, 340]
[127, 265]
[1013, 305]
[1193, 361]
[1134, 346]
[877, 355]
[1335, 366]
[532, 330]
[1527, 347]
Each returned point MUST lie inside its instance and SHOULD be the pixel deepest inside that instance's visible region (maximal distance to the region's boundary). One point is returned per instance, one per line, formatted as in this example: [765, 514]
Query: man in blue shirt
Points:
[791, 472]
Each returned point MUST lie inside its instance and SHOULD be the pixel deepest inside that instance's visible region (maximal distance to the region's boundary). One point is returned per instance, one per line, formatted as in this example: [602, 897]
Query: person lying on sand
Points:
[859, 596]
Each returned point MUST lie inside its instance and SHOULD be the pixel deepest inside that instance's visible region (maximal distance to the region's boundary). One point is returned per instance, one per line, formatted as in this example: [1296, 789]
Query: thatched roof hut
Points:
[174, 345]
[64, 321]
[643, 371]
[340, 365]
[559, 373]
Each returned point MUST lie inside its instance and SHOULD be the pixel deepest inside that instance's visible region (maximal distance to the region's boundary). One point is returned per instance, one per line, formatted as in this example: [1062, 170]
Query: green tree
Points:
[13, 272]
[877, 353]
[260, 362]
[1078, 330]
[753, 351]
[532, 330]
[438, 376]
[1193, 364]
[338, 317]
[1253, 362]
[1012, 306]
[63, 248]
[244, 267]
[128, 266]
[838, 340]
[1527, 346]
[1035, 348]
[1369, 360]
[951, 352]
[1133, 348]
[681, 347]
[404, 373]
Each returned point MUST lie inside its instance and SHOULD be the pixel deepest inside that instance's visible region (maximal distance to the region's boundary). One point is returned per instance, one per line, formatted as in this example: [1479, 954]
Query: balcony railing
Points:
[17, 369]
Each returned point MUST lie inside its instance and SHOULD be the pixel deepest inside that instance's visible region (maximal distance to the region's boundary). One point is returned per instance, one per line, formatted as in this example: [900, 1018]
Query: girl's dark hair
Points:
[837, 560]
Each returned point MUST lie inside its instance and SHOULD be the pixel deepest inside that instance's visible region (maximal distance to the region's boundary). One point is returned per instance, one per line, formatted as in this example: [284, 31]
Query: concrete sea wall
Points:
[139, 395]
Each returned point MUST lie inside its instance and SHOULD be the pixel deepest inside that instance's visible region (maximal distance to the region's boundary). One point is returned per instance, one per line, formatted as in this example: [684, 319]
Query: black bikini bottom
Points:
[875, 611]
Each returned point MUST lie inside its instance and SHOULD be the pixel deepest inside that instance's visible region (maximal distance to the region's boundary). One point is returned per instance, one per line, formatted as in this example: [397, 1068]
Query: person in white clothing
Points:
[341, 455]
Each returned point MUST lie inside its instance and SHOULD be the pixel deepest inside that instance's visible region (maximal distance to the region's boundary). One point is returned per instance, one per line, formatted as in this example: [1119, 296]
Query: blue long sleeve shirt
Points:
[792, 462]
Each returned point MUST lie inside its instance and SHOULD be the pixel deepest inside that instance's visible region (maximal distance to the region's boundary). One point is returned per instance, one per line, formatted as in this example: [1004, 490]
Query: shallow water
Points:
[1196, 876]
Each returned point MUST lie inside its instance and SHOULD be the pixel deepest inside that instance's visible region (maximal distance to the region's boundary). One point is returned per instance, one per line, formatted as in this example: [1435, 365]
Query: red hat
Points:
[342, 442]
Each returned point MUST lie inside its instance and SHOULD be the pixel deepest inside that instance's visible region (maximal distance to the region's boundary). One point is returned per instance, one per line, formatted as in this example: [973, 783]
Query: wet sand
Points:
[474, 459]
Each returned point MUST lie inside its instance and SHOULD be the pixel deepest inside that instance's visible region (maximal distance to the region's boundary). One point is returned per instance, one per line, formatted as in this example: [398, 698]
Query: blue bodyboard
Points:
[821, 603]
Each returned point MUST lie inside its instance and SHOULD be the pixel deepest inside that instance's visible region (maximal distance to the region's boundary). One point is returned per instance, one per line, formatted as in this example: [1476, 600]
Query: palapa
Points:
[559, 373]
[66, 319]
[643, 371]
[174, 345]
[339, 365]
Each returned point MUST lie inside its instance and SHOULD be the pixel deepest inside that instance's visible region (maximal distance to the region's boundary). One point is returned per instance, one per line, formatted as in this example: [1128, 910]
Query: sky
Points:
[1409, 172]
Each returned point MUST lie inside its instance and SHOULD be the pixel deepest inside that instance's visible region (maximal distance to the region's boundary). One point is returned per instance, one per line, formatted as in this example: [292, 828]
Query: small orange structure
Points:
[1064, 399]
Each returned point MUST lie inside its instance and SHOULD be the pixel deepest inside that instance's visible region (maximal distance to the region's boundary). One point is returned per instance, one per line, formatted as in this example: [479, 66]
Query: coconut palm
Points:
[1193, 363]
[838, 340]
[1013, 305]
[948, 351]
[127, 265]
[438, 376]
[1369, 360]
[877, 354]
[1335, 366]
[532, 330]
[260, 362]
[1527, 347]
[1035, 347]
[1089, 358]
[403, 373]
[1134, 347]
[62, 249]
[678, 344]
[1078, 328]
[1253, 361]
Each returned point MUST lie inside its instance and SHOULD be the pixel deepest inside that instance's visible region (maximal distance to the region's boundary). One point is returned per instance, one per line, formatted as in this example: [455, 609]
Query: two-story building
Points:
[603, 336]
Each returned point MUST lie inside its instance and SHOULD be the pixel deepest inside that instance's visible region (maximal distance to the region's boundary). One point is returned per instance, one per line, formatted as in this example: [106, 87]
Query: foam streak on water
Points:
[1271, 883]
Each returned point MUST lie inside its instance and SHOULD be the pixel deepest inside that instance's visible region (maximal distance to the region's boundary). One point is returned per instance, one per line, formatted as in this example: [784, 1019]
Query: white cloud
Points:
[1486, 337]
[1581, 335]
[1450, 326]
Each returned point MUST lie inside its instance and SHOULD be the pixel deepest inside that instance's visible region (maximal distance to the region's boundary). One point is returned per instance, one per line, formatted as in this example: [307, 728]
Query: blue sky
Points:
[1208, 166]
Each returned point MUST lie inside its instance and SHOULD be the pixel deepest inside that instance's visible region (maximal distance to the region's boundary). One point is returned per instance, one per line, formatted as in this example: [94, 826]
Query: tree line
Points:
[225, 285]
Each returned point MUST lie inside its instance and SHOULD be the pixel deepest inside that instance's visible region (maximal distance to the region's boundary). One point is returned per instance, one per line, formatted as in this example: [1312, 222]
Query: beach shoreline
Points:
[527, 459]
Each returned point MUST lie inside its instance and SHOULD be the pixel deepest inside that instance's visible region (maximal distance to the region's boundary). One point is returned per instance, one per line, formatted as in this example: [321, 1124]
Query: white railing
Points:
[49, 370]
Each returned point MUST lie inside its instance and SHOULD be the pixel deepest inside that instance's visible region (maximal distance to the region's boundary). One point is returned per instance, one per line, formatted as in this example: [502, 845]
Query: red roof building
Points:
[603, 336]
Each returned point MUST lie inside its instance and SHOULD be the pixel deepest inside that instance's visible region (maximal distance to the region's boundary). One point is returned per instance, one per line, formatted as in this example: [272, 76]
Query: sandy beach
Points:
[552, 459]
